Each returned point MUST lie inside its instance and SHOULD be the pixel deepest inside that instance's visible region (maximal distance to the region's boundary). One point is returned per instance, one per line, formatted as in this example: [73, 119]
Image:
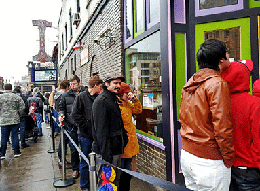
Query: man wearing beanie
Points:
[245, 173]
[205, 117]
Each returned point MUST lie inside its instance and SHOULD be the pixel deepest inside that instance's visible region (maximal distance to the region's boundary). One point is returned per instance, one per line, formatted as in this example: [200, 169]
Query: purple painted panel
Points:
[179, 11]
[217, 10]
[151, 141]
[148, 23]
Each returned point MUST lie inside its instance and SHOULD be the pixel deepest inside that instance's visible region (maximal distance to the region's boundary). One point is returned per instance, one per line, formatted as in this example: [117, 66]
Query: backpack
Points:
[32, 107]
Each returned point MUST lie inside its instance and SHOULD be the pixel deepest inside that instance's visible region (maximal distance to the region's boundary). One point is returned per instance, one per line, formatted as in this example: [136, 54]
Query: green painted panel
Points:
[180, 48]
[136, 33]
[244, 25]
[253, 3]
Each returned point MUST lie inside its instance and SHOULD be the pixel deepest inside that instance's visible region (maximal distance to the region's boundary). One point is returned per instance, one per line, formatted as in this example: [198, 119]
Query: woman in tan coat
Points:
[128, 104]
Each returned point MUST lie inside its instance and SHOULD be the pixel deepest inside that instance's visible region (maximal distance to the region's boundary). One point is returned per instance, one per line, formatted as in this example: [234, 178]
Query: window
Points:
[231, 37]
[139, 17]
[128, 20]
[152, 12]
[208, 7]
[78, 6]
[207, 4]
[71, 31]
[66, 35]
[71, 66]
[143, 72]
[75, 62]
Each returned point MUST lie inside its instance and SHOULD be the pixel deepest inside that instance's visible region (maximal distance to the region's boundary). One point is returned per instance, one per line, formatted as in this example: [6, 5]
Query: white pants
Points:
[204, 174]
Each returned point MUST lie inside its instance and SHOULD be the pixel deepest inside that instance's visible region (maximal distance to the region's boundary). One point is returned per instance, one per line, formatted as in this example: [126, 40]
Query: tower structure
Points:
[42, 24]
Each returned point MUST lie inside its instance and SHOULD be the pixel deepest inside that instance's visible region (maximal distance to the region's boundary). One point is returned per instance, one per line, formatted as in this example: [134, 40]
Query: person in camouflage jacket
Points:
[11, 107]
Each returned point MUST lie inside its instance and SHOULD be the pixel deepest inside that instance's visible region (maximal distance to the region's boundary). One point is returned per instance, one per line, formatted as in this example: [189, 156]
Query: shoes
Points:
[24, 146]
[2, 157]
[75, 174]
[67, 165]
[17, 155]
[40, 135]
[56, 134]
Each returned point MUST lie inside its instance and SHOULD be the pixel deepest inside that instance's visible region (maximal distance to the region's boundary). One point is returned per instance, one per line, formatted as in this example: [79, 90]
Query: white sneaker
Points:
[17, 155]
[2, 157]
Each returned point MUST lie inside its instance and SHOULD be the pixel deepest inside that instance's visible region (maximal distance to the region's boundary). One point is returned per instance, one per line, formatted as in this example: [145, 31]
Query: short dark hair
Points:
[210, 52]
[64, 84]
[8, 87]
[94, 80]
[75, 77]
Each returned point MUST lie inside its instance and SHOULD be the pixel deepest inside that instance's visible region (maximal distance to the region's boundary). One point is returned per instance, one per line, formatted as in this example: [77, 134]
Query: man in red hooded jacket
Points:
[245, 173]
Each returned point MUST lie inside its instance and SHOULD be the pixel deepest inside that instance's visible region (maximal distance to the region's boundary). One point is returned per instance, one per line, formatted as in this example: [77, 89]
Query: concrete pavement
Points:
[36, 169]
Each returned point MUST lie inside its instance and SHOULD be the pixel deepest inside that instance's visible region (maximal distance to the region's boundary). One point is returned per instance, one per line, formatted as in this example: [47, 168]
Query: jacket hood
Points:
[57, 94]
[198, 78]
[256, 88]
[238, 77]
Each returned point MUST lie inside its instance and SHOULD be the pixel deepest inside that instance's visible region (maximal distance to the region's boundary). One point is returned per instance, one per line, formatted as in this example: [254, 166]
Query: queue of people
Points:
[220, 126]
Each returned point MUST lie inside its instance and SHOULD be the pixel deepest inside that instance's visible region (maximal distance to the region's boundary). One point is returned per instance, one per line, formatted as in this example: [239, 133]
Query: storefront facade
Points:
[161, 39]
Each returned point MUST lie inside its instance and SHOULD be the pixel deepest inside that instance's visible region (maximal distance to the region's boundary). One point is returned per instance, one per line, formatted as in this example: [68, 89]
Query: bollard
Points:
[64, 182]
[92, 172]
[53, 150]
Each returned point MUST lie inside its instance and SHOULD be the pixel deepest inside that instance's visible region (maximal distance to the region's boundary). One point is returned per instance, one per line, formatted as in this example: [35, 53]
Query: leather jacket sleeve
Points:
[220, 107]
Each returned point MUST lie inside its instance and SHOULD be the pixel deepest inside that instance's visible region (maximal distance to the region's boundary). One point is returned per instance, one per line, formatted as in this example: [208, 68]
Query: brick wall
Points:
[151, 160]
[105, 59]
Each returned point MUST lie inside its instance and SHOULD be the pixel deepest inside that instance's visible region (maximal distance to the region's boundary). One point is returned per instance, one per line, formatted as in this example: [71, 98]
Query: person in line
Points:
[63, 87]
[46, 106]
[245, 173]
[23, 117]
[108, 131]
[81, 114]
[206, 125]
[129, 105]
[38, 112]
[37, 93]
[65, 109]
[11, 108]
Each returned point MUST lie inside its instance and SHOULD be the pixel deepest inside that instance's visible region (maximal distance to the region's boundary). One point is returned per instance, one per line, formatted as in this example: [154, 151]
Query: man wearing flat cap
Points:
[109, 134]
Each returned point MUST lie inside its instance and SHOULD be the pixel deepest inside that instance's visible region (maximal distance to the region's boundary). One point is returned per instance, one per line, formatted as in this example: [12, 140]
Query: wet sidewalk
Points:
[36, 169]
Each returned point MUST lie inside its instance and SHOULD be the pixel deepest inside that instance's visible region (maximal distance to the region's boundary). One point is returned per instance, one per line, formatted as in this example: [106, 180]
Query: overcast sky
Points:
[19, 38]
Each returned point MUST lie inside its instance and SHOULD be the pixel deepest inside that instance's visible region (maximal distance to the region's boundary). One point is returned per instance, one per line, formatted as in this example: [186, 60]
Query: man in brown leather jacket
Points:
[206, 127]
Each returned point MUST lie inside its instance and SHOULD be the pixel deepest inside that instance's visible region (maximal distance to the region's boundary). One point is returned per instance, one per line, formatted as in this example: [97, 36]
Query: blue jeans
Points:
[85, 144]
[38, 118]
[73, 151]
[46, 117]
[124, 182]
[22, 129]
[56, 115]
[5, 133]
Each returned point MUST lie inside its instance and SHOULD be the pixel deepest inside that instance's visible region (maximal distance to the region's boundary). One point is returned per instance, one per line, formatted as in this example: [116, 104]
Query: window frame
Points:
[150, 24]
[217, 10]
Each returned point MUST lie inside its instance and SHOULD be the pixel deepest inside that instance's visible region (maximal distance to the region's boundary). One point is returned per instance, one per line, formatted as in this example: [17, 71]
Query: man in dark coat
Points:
[65, 109]
[81, 114]
[108, 131]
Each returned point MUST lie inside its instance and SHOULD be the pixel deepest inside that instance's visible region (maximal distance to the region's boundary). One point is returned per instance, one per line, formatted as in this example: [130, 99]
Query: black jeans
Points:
[74, 153]
[245, 179]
